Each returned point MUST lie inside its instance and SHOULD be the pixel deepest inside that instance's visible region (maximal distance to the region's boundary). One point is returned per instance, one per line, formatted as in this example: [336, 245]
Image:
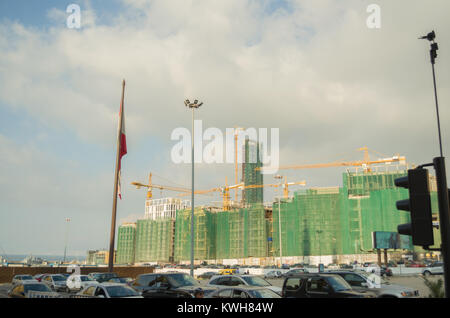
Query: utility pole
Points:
[279, 220]
[195, 105]
[441, 177]
[65, 241]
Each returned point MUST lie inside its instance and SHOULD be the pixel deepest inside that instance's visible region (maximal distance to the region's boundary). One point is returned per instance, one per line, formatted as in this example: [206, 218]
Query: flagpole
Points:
[116, 179]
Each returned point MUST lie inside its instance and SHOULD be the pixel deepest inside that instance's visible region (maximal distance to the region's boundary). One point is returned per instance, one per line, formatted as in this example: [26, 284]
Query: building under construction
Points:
[334, 223]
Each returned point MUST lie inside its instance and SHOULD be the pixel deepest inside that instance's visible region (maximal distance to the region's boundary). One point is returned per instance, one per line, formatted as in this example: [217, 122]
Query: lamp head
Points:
[430, 36]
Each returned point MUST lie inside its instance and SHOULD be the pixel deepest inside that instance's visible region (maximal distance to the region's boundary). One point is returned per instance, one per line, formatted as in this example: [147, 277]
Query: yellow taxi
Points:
[227, 271]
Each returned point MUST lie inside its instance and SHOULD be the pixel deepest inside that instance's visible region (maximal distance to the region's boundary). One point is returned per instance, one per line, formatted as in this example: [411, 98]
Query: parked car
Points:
[109, 290]
[363, 281]
[206, 275]
[56, 282]
[320, 286]
[168, 285]
[20, 278]
[78, 282]
[415, 264]
[38, 277]
[295, 271]
[273, 274]
[436, 268]
[245, 280]
[382, 271]
[121, 280]
[227, 271]
[345, 266]
[102, 277]
[243, 292]
[21, 289]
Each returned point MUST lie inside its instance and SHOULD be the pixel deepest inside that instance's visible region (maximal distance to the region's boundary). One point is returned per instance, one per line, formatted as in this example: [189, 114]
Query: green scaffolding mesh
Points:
[126, 244]
[332, 221]
[154, 240]
[322, 221]
[204, 235]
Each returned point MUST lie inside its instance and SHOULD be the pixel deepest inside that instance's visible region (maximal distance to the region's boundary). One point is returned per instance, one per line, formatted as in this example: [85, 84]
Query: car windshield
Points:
[121, 291]
[255, 281]
[338, 283]
[37, 287]
[58, 278]
[179, 280]
[374, 278]
[26, 277]
[263, 293]
[85, 279]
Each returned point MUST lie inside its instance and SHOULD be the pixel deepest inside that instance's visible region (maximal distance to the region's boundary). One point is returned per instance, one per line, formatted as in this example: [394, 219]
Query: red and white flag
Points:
[122, 143]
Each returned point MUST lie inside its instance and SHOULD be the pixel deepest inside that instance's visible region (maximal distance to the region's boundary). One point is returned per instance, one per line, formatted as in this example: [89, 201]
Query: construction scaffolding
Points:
[314, 222]
[338, 221]
[204, 235]
[250, 175]
[126, 243]
[154, 240]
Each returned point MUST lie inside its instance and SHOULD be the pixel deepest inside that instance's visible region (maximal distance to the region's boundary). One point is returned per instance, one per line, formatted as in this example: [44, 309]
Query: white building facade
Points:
[165, 208]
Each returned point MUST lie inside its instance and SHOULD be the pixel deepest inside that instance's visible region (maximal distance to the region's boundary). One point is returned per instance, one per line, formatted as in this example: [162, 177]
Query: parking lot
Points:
[415, 282]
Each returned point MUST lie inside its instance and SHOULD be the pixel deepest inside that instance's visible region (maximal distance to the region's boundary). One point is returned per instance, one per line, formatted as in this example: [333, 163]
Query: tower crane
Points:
[225, 191]
[365, 163]
[152, 186]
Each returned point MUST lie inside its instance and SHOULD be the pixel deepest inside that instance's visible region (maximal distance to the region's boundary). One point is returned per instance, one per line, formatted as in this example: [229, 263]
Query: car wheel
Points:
[426, 273]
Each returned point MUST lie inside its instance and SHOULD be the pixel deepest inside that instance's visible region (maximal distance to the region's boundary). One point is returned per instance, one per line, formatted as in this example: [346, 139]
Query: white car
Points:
[437, 268]
[21, 278]
[246, 280]
[78, 282]
[109, 290]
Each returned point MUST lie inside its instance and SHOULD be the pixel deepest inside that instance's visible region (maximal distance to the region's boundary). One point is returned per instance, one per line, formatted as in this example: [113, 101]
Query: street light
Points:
[195, 105]
[320, 247]
[65, 244]
[433, 55]
[279, 220]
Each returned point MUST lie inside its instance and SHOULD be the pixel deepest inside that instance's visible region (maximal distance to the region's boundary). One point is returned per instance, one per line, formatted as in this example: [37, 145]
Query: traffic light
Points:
[419, 205]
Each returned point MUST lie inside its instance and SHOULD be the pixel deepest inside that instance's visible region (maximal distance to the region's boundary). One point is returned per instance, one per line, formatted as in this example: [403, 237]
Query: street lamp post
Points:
[320, 247]
[279, 220]
[195, 105]
[441, 178]
[65, 243]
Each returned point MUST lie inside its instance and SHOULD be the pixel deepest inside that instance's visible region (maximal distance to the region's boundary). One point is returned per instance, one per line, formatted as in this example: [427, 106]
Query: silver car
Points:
[21, 278]
[436, 268]
[245, 280]
[109, 290]
[56, 282]
[363, 281]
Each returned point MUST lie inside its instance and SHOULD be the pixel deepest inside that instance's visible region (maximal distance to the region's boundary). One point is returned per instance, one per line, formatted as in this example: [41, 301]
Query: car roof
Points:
[109, 284]
[243, 287]
[313, 275]
[29, 282]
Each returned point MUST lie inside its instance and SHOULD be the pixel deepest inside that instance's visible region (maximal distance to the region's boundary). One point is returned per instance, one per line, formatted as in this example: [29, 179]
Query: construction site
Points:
[307, 225]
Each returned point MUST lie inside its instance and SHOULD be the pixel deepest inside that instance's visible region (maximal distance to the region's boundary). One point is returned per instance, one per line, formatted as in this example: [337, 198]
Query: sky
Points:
[311, 68]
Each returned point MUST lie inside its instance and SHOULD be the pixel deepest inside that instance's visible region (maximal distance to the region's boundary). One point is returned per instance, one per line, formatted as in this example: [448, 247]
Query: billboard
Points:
[391, 241]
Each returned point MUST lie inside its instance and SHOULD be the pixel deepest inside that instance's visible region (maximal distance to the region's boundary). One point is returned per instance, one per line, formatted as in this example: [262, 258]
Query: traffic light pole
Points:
[444, 218]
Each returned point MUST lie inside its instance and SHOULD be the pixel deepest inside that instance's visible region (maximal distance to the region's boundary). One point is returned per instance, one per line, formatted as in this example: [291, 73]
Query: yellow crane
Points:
[365, 163]
[236, 135]
[225, 191]
[152, 186]
[284, 185]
